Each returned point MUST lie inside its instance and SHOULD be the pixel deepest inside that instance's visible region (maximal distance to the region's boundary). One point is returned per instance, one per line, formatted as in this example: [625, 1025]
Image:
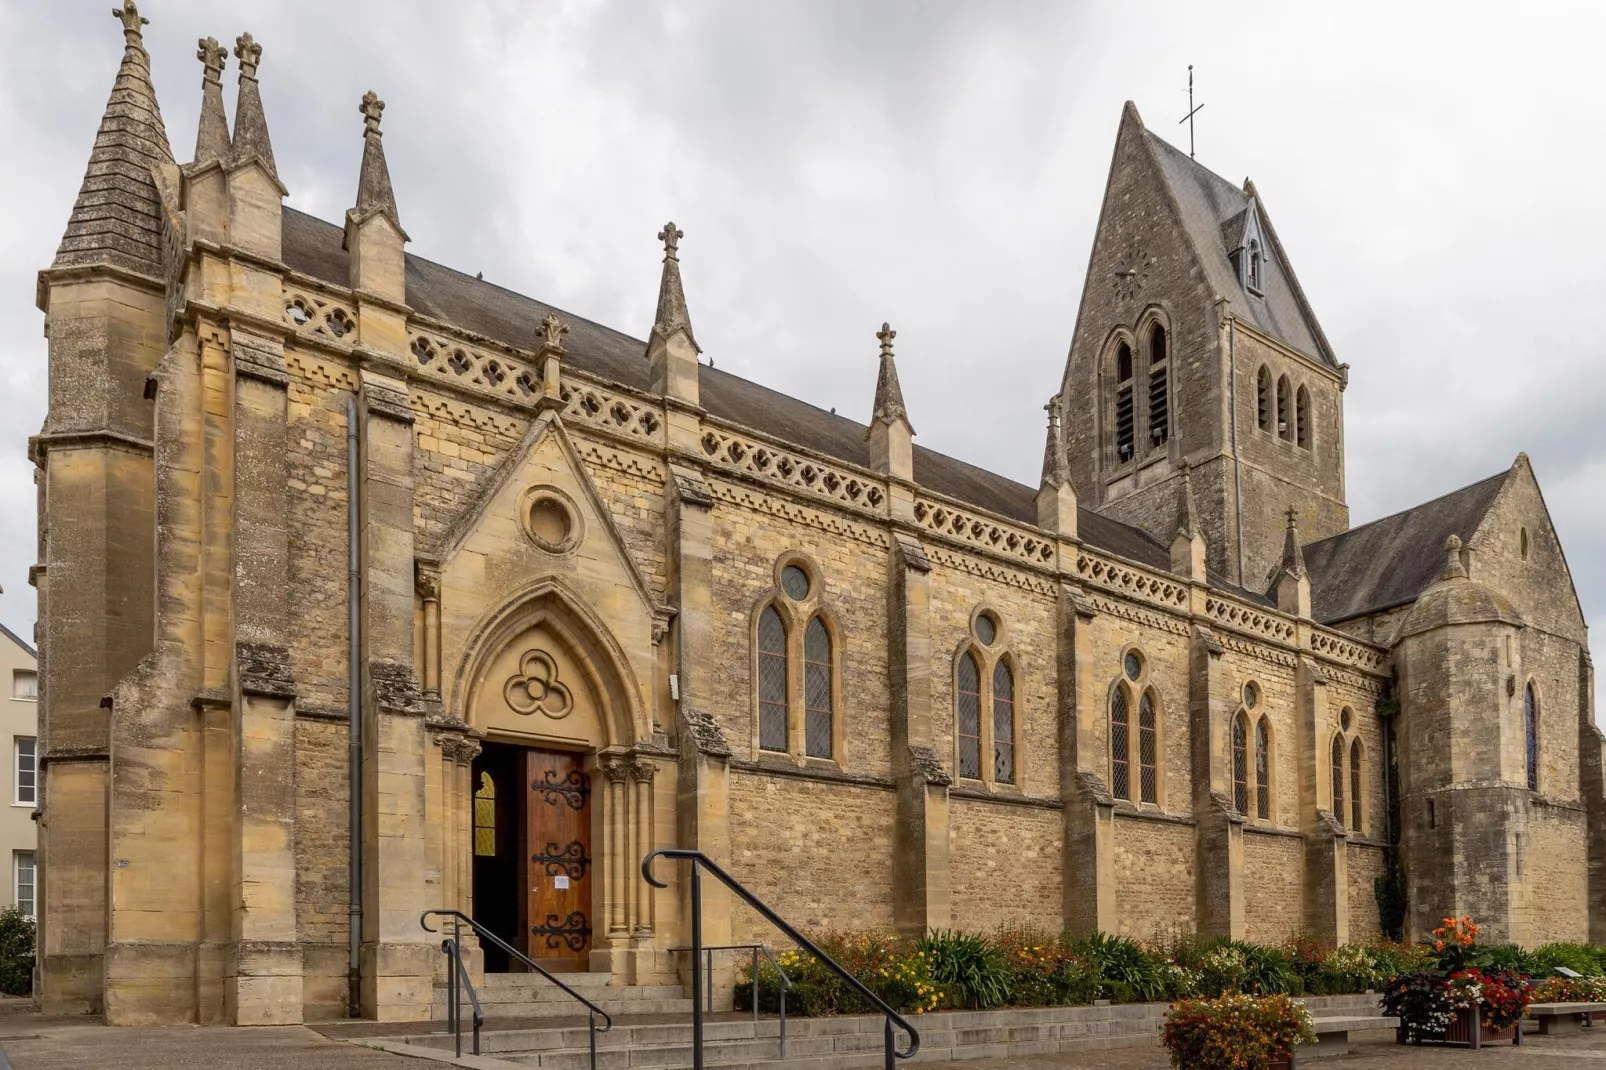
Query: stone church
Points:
[367, 587]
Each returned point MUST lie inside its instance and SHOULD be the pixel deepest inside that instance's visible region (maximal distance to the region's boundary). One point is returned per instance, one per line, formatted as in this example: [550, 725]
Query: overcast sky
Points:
[1432, 169]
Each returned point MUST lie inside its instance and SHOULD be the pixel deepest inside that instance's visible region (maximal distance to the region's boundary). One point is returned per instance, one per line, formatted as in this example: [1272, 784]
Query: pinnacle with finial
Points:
[672, 315]
[1187, 510]
[212, 133]
[1454, 569]
[375, 196]
[372, 108]
[129, 15]
[249, 53]
[250, 123]
[671, 236]
[552, 332]
[213, 59]
[1054, 473]
[1293, 556]
[888, 407]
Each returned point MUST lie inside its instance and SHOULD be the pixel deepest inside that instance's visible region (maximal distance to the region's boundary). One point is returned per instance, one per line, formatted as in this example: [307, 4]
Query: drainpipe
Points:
[354, 700]
[1237, 467]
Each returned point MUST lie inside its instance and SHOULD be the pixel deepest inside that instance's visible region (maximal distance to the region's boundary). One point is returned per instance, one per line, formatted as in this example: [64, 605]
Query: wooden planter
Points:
[1463, 1033]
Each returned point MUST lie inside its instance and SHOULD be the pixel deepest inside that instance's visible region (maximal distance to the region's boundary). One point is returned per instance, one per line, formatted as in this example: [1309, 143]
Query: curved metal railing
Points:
[700, 862]
[458, 918]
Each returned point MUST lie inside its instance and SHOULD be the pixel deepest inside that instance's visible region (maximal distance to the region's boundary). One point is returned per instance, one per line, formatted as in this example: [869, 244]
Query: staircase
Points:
[507, 996]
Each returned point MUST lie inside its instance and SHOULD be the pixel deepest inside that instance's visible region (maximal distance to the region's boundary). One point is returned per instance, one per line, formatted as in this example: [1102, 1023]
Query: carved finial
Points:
[129, 15]
[213, 59]
[1187, 511]
[1293, 556]
[671, 236]
[885, 335]
[1054, 473]
[249, 53]
[1454, 569]
[372, 108]
[552, 332]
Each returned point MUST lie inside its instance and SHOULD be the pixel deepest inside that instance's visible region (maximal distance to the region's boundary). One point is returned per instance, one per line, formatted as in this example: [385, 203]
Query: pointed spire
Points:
[118, 215]
[374, 193]
[212, 138]
[672, 315]
[1293, 556]
[1187, 542]
[888, 407]
[1187, 509]
[1292, 582]
[1054, 467]
[250, 124]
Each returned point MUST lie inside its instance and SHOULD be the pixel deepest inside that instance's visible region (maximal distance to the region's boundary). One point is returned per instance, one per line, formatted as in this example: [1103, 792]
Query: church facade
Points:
[368, 587]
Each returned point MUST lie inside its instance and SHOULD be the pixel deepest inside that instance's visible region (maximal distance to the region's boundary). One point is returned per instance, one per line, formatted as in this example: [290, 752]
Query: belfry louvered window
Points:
[817, 689]
[1302, 418]
[1148, 752]
[1003, 724]
[1124, 415]
[1240, 764]
[1263, 400]
[1262, 770]
[1159, 388]
[969, 683]
[1355, 785]
[1120, 745]
[772, 682]
[1285, 426]
[1530, 717]
[1338, 777]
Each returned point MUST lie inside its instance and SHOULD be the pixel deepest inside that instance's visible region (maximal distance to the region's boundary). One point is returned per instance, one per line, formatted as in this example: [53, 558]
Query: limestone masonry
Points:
[310, 506]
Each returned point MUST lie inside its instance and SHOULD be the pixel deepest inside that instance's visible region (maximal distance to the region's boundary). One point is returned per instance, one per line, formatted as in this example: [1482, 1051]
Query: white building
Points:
[19, 726]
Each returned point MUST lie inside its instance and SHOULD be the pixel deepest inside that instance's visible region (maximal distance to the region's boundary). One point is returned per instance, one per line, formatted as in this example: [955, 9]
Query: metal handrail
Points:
[456, 974]
[756, 949]
[699, 862]
[458, 916]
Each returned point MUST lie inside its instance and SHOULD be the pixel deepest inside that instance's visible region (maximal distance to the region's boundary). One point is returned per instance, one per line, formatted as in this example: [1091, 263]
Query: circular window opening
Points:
[1251, 696]
[1134, 665]
[795, 582]
[550, 522]
[986, 628]
[1344, 720]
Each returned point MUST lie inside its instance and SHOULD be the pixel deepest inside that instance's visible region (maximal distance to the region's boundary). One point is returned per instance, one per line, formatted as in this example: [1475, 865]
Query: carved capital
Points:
[642, 772]
[427, 581]
[615, 770]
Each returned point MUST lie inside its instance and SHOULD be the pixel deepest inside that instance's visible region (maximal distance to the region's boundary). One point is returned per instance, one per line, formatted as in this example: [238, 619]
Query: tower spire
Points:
[374, 193]
[672, 315]
[118, 215]
[1054, 468]
[251, 140]
[212, 136]
[1292, 583]
[888, 406]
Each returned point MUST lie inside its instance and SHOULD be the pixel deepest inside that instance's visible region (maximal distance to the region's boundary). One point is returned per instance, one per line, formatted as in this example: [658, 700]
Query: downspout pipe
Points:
[1237, 465]
[354, 701]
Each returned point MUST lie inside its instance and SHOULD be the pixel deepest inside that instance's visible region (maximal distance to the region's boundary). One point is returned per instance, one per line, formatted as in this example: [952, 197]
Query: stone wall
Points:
[1007, 864]
[1365, 863]
[1154, 869]
[1274, 867]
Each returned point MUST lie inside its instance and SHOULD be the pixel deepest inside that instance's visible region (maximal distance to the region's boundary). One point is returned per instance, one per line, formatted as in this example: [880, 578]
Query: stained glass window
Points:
[485, 816]
[771, 681]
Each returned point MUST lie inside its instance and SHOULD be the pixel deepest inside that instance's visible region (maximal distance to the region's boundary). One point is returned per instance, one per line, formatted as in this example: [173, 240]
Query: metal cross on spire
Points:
[1192, 111]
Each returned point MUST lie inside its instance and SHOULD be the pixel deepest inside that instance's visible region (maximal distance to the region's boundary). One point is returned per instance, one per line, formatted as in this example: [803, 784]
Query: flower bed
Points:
[1237, 1032]
[1458, 1003]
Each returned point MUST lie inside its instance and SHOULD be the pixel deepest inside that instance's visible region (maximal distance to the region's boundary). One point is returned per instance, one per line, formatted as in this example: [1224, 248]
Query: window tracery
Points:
[1136, 743]
[985, 729]
[796, 666]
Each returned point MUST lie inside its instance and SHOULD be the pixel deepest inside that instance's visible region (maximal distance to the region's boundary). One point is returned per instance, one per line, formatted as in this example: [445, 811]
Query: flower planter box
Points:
[1460, 1035]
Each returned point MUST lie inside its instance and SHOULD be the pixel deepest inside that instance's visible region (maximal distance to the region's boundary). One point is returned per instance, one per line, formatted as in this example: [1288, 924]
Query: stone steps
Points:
[529, 995]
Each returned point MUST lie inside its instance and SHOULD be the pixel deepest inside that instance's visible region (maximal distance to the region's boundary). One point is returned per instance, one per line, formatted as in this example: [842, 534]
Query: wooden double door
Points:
[532, 854]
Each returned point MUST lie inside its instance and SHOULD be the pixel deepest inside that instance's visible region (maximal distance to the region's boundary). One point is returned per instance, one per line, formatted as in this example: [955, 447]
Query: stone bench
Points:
[1332, 1033]
[1562, 1017]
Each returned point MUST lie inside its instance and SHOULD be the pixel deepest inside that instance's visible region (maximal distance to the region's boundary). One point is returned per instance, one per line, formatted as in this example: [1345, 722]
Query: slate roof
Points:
[1214, 213]
[1390, 561]
[19, 640]
[313, 247]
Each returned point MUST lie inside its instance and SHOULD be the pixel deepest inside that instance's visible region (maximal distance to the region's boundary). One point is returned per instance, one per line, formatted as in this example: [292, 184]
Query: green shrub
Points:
[1127, 972]
[1587, 959]
[16, 952]
[973, 966]
[1509, 958]
[1235, 1032]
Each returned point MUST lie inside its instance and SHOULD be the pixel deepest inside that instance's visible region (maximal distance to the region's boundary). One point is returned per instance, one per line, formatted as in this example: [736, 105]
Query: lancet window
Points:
[985, 728]
[1136, 772]
[796, 667]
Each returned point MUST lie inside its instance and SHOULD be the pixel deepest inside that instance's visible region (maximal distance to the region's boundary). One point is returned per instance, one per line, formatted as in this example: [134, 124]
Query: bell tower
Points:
[1195, 350]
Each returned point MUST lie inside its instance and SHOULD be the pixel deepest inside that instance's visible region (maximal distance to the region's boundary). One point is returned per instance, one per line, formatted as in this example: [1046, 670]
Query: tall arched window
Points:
[772, 681]
[1263, 398]
[1124, 416]
[1285, 425]
[1262, 770]
[969, 683]
[1120, 744]
[1530, 720]
[1302, 418]
[1355, 796]
[1148, 750]
[1338, 777]
[1240, 764]
[817, 690]
[1003, 724]
[1254, 264]
[1159, 388]
[485, 816]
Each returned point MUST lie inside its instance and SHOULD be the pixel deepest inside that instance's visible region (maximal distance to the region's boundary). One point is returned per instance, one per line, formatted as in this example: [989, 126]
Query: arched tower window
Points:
[1159, 388]
[1302, 418]
[1254, 264]
[1263, 399]
[1262, 770]
[817, 704]
[1530, 720]
[1240, 764]
[1003, 724]
[1338, 777]
[1124, 415]
[1285, 424]
[1120, 744]
[485, 817]
[772, 681]
[1355, 795]
[969, 683]
[1148, 750]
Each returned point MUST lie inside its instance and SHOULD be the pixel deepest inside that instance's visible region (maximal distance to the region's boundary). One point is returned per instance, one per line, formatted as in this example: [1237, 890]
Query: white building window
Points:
[22, 870]
[26, 764]
[25, 684]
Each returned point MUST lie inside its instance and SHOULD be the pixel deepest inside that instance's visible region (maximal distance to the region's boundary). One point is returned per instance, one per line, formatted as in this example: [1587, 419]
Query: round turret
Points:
[1457, 599]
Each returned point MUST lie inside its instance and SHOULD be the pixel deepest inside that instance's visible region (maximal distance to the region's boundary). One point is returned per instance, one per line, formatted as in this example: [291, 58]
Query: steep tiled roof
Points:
[313, 246]
[1214, 212]
[1390, 561]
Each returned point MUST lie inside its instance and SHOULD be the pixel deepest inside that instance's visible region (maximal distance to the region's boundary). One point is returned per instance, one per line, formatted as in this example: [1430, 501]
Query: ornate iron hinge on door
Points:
[571, 860]
[573, 789]
[573, 930]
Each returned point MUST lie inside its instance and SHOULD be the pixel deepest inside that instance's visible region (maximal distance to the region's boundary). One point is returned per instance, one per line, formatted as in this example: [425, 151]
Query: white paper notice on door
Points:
[560, 883]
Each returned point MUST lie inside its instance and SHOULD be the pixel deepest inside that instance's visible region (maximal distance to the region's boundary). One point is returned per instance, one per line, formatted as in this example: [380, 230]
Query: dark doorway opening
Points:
[501, 865]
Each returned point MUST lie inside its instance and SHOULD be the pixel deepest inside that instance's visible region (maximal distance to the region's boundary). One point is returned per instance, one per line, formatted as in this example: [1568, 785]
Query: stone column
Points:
[1219, 842]
[921, 886]
[1088, 878]
[642, 772]
[1326, 896]
[398, 960]
[616, 853]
